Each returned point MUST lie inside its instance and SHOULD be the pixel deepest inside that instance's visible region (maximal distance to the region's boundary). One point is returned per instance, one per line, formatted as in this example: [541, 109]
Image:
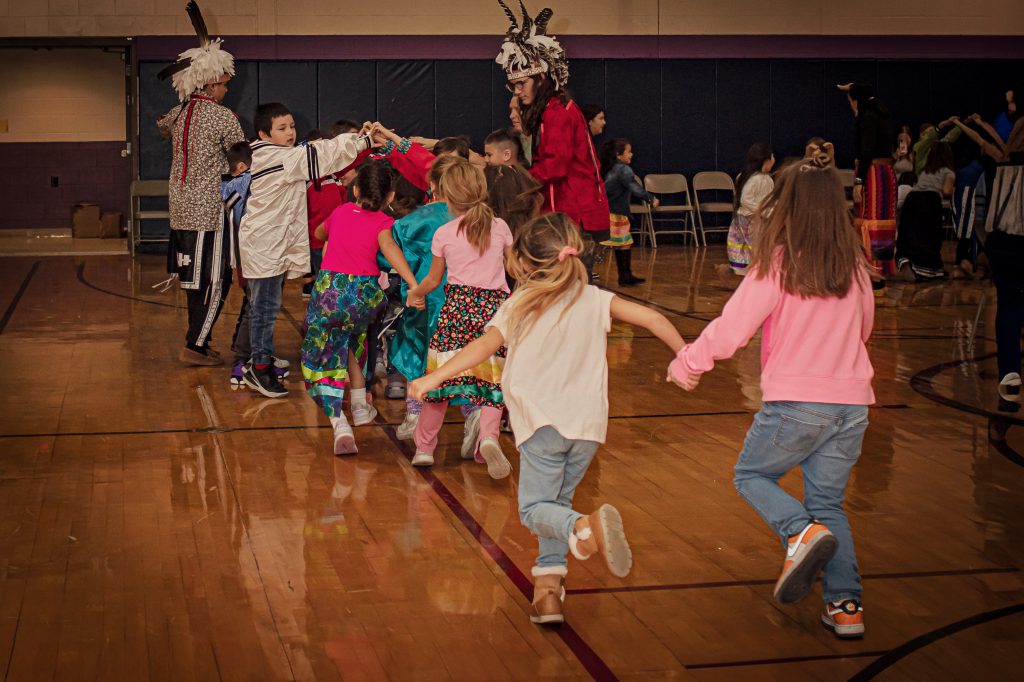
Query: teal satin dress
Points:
[414, 234]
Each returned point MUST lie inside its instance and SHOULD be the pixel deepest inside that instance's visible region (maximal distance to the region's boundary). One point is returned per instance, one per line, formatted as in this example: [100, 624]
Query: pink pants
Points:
[432, 418]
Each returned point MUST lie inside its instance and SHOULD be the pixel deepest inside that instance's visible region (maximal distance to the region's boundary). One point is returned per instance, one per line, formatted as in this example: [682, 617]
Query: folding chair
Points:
[139, 189]
[646, 232]
[713, 181]
[671, 183]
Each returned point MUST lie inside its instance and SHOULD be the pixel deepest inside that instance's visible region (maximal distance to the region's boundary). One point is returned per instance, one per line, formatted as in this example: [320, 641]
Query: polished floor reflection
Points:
[157, 524]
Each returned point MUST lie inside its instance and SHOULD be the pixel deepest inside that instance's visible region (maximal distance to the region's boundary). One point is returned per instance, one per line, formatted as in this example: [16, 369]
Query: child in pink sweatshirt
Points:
[809, 292]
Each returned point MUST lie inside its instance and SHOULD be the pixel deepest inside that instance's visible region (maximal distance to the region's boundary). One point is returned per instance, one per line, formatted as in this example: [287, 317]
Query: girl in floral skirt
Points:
[473, 248]
[346, 297]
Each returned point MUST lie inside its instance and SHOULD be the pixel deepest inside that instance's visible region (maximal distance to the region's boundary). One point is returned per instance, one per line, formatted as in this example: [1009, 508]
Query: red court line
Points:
[593, 664]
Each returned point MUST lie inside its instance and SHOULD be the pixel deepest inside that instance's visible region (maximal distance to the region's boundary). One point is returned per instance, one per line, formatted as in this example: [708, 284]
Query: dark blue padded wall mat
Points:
[405, 96]
[346, 90]
[456, 111]
[683, 115]
[293, 84]
[798, 105]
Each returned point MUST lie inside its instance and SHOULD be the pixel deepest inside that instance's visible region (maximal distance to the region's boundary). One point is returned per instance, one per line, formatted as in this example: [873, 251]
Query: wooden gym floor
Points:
[157, 524]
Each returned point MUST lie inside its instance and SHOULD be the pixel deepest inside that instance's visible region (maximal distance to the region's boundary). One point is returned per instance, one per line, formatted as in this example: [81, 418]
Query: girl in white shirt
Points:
[555, 384]
[752, 185]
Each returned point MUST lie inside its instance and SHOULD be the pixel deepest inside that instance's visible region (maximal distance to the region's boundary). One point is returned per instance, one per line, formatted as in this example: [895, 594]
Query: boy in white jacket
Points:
[273, 239]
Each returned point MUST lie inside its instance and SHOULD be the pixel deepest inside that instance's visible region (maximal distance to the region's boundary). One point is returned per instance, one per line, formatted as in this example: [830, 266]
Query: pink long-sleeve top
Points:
[812, 349]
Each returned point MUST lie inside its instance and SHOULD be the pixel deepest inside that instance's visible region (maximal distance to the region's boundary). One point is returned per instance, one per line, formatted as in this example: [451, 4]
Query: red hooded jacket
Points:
[565, 162]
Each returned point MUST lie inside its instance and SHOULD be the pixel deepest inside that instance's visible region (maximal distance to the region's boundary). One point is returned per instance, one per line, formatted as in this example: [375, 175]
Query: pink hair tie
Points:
[566, 252]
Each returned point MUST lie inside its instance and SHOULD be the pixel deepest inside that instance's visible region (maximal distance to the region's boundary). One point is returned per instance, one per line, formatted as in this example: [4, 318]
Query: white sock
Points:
[358, 396]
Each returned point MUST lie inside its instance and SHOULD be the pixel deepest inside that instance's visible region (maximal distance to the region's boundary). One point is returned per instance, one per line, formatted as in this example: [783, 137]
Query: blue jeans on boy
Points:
[264, 305]
[550, 468]
[824, 440]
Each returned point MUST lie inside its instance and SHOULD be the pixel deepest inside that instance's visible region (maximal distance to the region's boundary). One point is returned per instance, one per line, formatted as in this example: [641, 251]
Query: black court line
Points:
[771, 581]
[17, 296]
[589, 658]
[899, 653]
[790, 659]
[922, 383]
[83, 280]
[1004, 449]
[287, 427]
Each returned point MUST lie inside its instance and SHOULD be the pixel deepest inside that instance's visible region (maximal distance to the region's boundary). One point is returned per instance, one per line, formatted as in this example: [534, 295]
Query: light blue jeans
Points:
[550, 468]
[824, 440]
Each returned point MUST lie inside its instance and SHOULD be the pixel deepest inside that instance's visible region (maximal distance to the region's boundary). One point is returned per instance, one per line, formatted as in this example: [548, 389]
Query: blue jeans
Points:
[264, 305]
[824, 440]
[550, 468]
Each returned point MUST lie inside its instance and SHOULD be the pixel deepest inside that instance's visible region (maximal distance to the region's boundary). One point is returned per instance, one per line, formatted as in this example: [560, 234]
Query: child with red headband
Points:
[555, 383]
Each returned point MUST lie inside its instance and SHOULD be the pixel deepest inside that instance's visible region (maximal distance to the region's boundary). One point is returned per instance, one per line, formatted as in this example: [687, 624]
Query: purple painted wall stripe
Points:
[158, 48]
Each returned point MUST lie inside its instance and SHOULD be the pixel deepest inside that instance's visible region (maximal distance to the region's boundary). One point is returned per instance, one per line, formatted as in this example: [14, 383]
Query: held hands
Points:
[677, 374]
[656, 202]
[418, 388]
[415, 301]
[689, 384]
[381, 135]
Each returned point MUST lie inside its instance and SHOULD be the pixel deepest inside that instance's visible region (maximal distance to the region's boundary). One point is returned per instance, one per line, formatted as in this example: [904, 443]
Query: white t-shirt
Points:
[557, 373]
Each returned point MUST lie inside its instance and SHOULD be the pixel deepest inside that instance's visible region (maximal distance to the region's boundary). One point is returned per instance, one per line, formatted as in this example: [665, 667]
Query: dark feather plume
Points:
[527, 22]
[542, 21]
[197, 22]
[174, 68]
[508, 13]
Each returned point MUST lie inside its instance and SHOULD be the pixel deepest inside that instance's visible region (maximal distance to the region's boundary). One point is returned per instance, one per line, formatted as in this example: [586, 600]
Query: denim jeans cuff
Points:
[841, 597]
[571, 524]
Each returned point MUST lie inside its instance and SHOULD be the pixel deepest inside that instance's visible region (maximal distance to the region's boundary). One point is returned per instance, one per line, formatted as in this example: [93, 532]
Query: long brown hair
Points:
[543, 276]
[463, 186]
[806, 234]
[543, 89]
[513, 194]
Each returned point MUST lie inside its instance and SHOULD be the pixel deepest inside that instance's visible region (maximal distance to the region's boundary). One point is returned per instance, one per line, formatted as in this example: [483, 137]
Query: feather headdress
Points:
[198, 66]
[529, 51]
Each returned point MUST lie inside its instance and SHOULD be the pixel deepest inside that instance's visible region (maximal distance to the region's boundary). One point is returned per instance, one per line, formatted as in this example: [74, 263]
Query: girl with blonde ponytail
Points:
[555, 382]
[472, 248]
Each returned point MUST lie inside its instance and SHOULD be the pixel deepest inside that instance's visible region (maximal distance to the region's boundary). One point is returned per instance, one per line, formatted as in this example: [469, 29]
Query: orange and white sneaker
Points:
[845, 619]
[806, 554]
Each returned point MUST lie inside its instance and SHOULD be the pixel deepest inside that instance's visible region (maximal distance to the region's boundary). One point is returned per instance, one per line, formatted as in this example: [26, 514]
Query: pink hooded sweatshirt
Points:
[812, 349]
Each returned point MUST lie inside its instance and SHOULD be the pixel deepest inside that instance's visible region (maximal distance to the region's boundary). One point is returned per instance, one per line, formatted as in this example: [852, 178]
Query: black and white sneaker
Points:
[265, 381]
[1009, 387]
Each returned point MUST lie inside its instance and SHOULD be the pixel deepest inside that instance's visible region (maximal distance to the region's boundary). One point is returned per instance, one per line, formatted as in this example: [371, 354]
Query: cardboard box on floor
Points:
[85, 221]
[110, 225]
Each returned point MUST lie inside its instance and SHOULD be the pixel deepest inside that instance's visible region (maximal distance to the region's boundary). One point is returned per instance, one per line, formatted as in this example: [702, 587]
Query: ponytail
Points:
[464, 187]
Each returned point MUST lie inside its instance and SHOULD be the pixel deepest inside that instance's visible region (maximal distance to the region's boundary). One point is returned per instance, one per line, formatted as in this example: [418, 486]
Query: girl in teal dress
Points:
[408, 348]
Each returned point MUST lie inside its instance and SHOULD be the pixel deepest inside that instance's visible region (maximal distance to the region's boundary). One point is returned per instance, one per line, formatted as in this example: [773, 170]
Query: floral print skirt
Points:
[340, 309]
[465, 313]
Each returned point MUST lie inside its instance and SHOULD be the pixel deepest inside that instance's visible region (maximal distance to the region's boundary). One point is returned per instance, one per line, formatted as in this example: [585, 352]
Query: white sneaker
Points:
[344, 439]
[498, 466]
[470, 434]
[422, 459]
[363, 414]
[407, 428]
[1009, 387]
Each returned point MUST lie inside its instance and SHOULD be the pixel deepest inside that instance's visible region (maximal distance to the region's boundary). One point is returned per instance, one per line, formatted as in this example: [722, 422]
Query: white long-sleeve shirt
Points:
[273, 238]
[759, 186]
